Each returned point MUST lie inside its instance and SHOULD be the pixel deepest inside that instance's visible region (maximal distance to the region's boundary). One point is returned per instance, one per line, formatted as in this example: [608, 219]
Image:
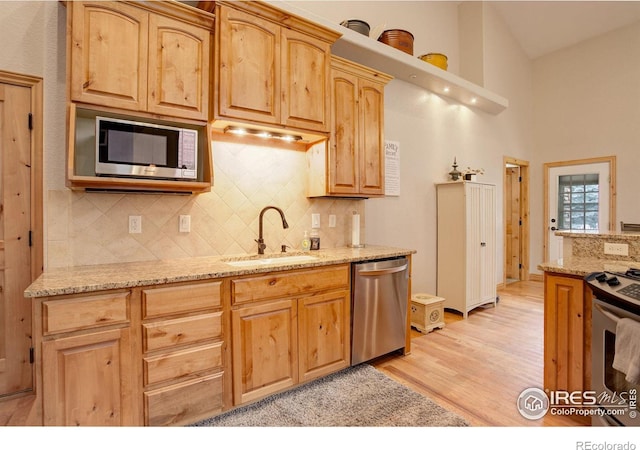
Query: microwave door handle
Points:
[608, 314]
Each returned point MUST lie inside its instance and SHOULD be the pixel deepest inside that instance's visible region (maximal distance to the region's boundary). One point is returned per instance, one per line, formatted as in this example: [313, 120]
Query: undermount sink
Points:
[271, 260]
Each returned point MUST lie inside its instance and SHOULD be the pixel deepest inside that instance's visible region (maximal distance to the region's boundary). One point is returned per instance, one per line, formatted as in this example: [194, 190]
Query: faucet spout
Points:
[260, 240]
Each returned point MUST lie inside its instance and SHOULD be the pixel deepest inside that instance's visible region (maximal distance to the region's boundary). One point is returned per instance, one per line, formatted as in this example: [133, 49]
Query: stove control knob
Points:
[601, 277]
[613, 281]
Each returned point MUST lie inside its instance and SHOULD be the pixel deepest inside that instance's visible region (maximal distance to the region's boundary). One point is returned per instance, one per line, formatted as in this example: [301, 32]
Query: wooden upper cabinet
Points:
[178, 68]
[353, 163]
[305, 81]
[344, 173]
[371, 137]
[248, 79]
[109, 54]
[272, 68]
[129, 57]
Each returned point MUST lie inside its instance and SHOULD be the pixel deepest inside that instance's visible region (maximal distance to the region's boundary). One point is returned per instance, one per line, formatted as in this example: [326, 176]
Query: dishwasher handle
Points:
[377, 272]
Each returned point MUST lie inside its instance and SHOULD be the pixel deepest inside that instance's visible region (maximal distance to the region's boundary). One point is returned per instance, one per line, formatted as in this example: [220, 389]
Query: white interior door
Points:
[578, 202]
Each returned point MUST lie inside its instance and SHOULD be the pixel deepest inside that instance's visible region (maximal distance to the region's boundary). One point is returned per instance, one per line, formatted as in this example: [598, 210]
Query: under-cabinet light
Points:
[446, 89]
[262, 133]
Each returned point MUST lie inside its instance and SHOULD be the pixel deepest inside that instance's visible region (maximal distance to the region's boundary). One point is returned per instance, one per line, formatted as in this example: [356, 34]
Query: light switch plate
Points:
[135, 224]
[616, 249]
[332, 220]
[315, 220]
[185, 224]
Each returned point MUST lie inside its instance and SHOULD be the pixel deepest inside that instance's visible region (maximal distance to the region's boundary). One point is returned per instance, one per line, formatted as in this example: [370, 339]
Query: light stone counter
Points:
[74, 280]
[582, 266]
[584, 253]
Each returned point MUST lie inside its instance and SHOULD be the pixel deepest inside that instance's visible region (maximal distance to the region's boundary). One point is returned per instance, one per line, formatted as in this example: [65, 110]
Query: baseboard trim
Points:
[536, 277]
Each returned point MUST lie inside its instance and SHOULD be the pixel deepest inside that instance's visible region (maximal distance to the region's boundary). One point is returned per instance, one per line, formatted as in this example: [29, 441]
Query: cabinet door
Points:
[178, 68]
[487, 243]
[265, 349]
[248, 67]
[324, 332]
[343, 160]
[88, 379]
[371, 138]
[564, 333]
[109, 54]
[306, 82]
[474, 250]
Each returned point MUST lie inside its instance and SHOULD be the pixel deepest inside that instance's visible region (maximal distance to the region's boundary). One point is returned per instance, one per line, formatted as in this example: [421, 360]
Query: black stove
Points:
[617, 288]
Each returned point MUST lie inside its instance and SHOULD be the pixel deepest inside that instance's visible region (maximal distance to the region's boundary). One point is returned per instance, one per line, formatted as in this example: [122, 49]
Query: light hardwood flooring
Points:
[479, 366]
[475, 367]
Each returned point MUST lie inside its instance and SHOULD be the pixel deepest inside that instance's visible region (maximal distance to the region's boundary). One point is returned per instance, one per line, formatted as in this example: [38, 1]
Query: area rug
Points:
[359, 396]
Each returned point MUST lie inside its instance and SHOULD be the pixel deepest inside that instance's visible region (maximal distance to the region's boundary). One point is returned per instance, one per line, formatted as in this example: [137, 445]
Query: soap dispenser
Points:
[306, 242]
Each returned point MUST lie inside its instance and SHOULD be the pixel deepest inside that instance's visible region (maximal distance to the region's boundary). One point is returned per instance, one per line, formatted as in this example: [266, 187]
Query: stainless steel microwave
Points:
[145, 150]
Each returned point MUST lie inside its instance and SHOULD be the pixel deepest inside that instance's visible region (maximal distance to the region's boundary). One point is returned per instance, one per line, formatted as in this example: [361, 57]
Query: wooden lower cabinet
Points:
[567, 333]
[87, 373]
[176, 354]
[324, 334]
[184, 352]
[264, 339]
[201, 397]
[89, 379]
[281, 342]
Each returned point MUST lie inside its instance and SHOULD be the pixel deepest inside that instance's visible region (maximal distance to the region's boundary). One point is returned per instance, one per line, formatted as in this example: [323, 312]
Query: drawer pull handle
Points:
[272, 282]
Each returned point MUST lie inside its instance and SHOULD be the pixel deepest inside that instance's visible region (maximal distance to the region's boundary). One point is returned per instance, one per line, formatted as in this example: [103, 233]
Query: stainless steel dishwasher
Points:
[379, 308]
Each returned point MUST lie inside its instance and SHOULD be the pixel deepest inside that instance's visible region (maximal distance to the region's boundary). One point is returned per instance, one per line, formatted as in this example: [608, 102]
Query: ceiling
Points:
[542, 27]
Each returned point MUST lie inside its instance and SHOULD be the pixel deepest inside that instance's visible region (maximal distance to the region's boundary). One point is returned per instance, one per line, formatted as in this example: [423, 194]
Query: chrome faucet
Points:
[260, 240]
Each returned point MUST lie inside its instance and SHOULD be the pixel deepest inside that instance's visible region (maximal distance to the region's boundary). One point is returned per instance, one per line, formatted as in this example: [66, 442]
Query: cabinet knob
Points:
[483, 244]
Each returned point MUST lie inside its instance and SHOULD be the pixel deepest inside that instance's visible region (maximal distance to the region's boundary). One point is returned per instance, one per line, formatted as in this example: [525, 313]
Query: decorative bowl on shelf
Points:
[437, 59]
[398, 39]
[360, 26]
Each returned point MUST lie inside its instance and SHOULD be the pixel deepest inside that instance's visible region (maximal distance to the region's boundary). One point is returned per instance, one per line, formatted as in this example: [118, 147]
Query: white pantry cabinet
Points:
[466, 245]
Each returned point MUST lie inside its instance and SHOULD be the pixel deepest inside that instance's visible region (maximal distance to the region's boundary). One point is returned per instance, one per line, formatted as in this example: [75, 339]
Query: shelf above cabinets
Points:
[369, 52]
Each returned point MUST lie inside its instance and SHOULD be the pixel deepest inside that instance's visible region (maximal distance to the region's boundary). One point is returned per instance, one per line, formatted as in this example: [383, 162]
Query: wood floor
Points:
[475, 367]
[478, 367]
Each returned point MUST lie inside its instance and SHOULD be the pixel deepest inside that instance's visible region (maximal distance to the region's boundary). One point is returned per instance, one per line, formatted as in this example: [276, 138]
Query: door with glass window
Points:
[578, 201]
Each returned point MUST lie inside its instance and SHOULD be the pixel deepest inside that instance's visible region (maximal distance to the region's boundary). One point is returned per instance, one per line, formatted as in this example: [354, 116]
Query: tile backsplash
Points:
[85, 228]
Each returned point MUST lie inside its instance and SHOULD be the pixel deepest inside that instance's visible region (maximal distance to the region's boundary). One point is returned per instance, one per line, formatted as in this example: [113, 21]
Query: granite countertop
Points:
[627, 236]
[74, 280]
[582, 266]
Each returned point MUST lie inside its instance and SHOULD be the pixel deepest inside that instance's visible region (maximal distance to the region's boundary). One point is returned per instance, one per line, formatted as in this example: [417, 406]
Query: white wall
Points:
[587, 104]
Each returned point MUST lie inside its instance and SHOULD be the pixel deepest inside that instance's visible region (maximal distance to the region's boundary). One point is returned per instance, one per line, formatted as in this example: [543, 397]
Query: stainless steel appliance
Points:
[147, 150]
[379, 308]
[616, 296]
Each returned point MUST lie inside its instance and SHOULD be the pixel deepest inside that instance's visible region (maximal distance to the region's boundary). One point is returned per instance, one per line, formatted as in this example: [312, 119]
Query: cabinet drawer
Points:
[185, 330]
[85, 312]
[184, 403]
[181, 299]
[286, 284]
[180, 363]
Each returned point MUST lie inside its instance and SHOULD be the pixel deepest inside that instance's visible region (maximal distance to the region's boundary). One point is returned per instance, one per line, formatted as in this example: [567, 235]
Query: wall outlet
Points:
[332, 220]
[135, 224]
[616, 249]
[185, 224]
[315, 220]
